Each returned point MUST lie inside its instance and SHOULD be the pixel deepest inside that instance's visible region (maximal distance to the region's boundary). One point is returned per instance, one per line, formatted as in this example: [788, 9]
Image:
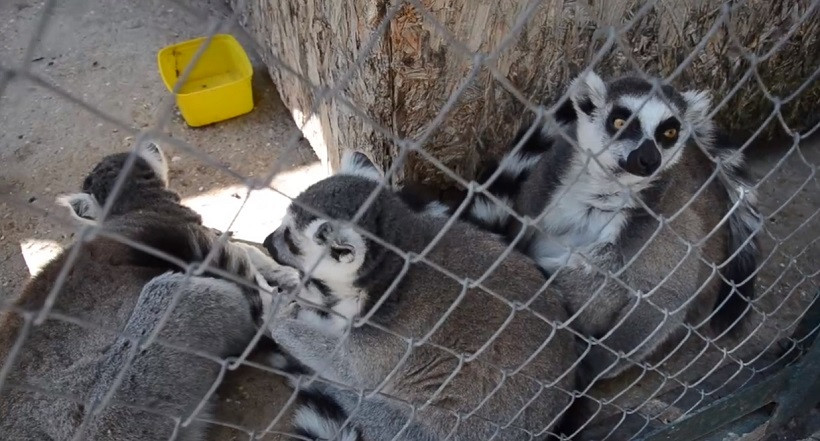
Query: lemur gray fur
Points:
[62, 371]
[590, 214]
[353, 272]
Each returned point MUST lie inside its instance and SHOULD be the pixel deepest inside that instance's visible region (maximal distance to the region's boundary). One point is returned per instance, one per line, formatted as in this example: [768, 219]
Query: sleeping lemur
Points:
[472, 358]
[635, 150]
[61, 371]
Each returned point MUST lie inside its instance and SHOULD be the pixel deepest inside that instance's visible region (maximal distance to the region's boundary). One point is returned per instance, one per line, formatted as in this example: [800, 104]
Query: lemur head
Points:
[148, 175]
[652, 141]
[333, 250]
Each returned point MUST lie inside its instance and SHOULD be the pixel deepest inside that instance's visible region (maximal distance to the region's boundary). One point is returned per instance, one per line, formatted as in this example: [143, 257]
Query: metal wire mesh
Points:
[699, 369]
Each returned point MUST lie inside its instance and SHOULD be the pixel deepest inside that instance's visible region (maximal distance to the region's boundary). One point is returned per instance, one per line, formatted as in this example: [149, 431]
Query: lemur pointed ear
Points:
[698, 105]
[154, 156]
[358, 164]
[84, 208]
[587, 92]
[341, 249]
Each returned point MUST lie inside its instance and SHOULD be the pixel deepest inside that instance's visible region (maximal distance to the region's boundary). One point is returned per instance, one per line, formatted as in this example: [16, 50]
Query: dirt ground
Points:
[104, 53]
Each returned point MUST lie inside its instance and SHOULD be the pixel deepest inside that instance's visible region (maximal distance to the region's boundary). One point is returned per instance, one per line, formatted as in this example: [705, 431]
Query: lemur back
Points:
[489, 347]
[75, 361]
[595, 199]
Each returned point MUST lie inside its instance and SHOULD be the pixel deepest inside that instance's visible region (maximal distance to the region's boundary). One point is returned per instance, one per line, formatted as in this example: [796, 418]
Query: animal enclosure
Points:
[706, 385]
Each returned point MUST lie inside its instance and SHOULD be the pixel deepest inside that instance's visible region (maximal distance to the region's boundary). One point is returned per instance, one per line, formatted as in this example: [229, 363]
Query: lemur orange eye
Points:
[670, 133]
[618, 123]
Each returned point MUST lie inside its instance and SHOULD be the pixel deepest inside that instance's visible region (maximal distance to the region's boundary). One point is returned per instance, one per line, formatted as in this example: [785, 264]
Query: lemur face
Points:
[327, 249]
[633, 132]
[323, 248]
[149, 170]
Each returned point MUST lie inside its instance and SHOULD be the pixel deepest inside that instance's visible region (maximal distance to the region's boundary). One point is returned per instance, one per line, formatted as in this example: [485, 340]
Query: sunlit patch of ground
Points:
[262, 211]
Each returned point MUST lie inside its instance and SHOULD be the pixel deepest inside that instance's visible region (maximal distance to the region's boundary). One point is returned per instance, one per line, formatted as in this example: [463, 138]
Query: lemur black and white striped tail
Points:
[513, 170]
[744, 222]
[321, 418]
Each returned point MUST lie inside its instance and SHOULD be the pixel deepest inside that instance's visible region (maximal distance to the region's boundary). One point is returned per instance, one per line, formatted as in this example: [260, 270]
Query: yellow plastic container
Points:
[218, 87]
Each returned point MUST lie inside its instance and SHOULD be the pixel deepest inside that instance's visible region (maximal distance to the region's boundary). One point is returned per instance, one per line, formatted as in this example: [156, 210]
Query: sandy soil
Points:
[104, 53]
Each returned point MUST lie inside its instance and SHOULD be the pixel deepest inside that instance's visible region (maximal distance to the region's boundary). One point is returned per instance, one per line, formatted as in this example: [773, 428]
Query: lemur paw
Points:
[265, 293]
[284, 290]
[285, 277]
[282, 277]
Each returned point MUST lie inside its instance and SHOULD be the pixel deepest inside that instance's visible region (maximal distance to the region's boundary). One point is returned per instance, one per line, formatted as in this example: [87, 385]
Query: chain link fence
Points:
[702, 383]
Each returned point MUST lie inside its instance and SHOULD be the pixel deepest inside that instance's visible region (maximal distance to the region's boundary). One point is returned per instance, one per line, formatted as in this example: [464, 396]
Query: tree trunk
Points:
[394, 88]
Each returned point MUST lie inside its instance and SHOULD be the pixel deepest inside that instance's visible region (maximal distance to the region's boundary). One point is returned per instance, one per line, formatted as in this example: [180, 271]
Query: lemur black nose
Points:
[644, 160]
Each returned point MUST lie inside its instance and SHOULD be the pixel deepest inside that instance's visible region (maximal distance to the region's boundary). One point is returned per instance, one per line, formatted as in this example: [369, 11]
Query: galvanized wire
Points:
[747, 369]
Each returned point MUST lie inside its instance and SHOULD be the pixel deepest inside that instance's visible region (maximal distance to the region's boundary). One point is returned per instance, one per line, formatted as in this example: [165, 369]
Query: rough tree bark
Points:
[404, 80]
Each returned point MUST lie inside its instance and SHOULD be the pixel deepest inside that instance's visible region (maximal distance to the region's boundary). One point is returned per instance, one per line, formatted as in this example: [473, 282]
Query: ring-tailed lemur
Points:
[496, 360]
[61, 371]
[632, 144]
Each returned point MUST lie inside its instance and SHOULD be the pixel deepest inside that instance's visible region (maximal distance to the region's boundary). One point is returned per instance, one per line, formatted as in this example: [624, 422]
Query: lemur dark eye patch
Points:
[667, 132]
[619, 116]
[290, 243]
